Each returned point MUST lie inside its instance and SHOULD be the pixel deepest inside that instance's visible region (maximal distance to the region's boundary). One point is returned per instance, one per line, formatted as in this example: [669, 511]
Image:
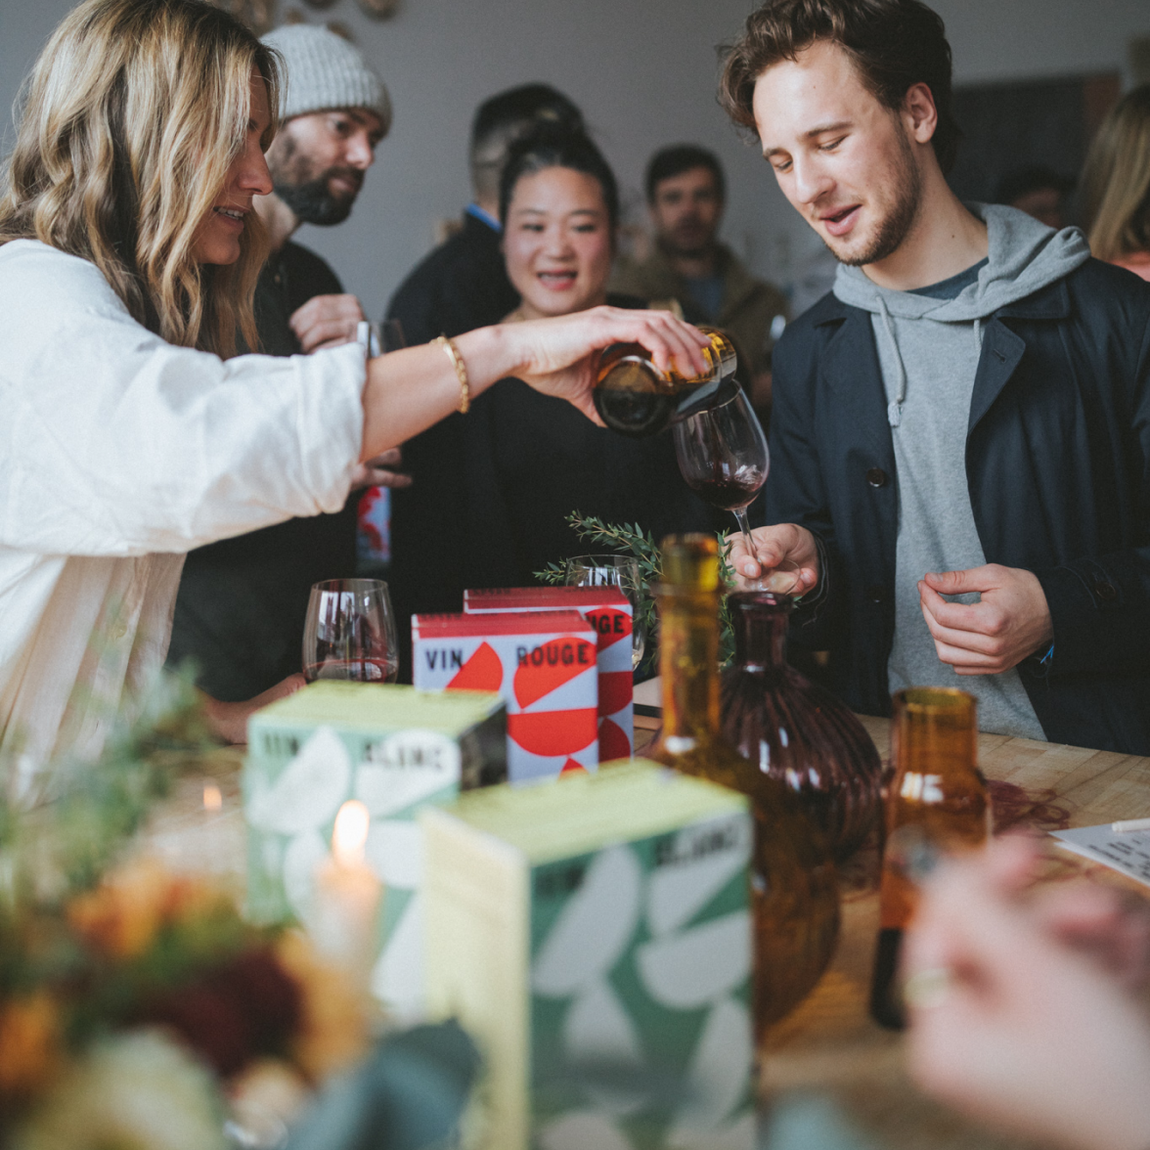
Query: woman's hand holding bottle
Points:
[557, 354]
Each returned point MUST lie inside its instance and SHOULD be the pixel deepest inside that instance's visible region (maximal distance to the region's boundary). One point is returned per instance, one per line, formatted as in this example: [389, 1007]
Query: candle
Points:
[348, 897]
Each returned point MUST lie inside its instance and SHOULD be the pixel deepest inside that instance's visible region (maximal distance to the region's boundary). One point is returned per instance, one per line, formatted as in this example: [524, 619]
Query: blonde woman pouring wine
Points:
[128, 256]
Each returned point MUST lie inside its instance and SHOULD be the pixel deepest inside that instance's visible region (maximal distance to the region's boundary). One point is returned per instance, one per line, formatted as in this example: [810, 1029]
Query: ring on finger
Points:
[928, 988]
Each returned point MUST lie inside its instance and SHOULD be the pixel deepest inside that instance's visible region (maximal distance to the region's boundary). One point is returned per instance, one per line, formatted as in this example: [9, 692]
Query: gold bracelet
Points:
[448, 346]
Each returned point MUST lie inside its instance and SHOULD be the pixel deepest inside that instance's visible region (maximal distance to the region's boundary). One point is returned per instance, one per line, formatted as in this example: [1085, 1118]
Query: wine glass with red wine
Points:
[723, 456]
[350, 632]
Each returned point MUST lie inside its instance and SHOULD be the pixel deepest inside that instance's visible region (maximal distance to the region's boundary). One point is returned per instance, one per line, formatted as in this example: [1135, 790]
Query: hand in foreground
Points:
[229, 721]
[380, 471]
[555, 355]
[1011, 622]
[326, 321]
[785, 543]
[1020, 1004]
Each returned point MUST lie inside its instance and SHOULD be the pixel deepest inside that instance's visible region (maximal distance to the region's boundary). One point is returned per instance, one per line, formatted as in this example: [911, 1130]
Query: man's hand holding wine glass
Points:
[784, 546]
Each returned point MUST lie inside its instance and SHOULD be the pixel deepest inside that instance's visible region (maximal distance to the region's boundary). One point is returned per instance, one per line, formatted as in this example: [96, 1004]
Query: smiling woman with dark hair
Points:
[529, 465]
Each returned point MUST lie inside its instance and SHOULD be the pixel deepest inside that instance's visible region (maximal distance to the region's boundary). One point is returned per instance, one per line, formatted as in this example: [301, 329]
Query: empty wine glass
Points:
[723, 457]
[620, 571]
[350, 632]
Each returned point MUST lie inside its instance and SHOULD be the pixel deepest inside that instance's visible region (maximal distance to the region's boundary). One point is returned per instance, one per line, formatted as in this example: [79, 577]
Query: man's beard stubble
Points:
[895, 226]
[307, 194]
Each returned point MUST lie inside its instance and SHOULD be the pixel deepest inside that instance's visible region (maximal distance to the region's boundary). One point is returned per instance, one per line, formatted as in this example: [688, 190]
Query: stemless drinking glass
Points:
[620, 571]
[350, 632]
[723, 456]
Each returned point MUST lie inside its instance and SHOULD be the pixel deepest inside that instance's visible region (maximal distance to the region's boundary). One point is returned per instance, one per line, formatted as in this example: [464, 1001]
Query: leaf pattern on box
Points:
[595, 926]
[716, 1081]
[676, 893]
[582, 1130]
[394, 850]
[308, 792]
[600, 1039]
[699, 966]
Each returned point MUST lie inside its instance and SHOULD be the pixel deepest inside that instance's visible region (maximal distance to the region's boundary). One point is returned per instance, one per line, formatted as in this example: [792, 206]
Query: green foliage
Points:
[85, 812]
[631, 539]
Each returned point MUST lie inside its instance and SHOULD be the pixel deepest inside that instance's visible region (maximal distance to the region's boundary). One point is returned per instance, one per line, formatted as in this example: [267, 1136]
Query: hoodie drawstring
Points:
[893, 409]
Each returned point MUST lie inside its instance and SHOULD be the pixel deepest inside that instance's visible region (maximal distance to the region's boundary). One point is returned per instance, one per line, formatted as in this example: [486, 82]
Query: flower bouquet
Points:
[138, 1009]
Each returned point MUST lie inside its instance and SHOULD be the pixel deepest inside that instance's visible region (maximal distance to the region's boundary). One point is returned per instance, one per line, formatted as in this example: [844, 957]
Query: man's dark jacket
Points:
[1058, 470]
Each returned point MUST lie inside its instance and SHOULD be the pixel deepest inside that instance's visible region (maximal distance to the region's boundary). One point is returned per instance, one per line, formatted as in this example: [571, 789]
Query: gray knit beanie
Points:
[324, 71]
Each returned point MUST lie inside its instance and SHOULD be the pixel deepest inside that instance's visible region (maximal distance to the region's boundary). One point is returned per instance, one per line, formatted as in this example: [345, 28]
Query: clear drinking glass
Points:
[350, 632]
[620, 571]
[722, 454]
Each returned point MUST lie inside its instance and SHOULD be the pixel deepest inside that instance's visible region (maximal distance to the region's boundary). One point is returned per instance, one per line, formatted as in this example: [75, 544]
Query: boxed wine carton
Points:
[594, 936]
[542, 663]
[395, 749]
[610, 612]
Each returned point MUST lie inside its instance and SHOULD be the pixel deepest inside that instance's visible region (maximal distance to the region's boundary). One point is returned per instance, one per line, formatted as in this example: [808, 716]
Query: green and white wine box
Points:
[394, 748]
[593, 935]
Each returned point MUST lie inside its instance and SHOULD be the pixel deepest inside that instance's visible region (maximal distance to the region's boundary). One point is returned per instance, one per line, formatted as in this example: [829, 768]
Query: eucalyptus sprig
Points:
[631, 539]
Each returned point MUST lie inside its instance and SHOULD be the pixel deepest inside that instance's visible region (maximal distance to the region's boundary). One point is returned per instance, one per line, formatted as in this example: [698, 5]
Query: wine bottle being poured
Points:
[635, 398]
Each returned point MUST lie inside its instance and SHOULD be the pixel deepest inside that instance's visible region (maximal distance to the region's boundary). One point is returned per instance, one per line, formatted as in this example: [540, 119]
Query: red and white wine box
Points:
[544, 664]
[608, 610]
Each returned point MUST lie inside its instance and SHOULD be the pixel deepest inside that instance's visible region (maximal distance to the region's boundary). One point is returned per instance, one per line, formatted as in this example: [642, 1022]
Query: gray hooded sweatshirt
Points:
[928, 350]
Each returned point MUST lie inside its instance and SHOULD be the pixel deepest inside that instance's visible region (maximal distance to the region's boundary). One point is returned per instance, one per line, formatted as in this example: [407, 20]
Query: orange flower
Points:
[125, 912]
[29, 1043]
[336, 1019]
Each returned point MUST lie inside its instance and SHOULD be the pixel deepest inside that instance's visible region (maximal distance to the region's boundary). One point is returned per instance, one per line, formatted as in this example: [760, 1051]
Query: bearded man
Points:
[960, 437]
[242, 602]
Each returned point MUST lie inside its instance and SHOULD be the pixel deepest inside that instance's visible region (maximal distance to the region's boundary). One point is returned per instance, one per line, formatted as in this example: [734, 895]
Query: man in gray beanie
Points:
[241, 606]
[334, 111]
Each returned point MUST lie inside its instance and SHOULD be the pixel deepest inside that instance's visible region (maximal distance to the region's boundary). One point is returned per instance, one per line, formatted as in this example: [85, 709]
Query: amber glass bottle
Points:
[936, 803]
[793, 882]
[635, 398]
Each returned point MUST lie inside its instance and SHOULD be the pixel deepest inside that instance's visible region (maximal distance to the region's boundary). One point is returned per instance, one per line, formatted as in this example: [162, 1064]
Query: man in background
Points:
[460, 286]
[241, 605]
[686, 194]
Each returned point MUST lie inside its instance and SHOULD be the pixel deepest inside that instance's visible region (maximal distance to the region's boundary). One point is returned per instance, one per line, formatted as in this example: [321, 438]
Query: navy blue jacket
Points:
[1058, 470]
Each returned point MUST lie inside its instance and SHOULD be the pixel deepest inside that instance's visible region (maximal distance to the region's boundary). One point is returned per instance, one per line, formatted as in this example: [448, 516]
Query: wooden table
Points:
[828, 1048]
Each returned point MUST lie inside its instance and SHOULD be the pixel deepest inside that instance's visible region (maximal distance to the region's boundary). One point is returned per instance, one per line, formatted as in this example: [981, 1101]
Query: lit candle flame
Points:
[350, 835]
[213, 800]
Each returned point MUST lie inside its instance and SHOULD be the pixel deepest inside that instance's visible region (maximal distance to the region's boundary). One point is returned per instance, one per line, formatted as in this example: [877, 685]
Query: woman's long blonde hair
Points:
[1116, 180]
[132, 116]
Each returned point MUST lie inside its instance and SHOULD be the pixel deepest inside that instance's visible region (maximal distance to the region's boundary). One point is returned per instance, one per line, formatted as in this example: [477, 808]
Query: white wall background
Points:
[644, 73]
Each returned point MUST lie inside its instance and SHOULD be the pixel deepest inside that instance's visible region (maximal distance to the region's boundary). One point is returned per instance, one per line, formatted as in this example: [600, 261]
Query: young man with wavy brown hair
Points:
[961, 428]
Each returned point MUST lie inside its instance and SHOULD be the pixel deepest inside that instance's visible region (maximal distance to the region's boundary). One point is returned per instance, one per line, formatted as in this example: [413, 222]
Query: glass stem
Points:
[740, 513]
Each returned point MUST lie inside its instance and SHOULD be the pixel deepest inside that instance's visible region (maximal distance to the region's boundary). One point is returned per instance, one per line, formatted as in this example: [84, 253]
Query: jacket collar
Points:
[859, 378]
[1051, 302]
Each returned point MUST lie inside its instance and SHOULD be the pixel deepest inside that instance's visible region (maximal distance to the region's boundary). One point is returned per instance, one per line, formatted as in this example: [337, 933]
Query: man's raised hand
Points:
[1011, 621]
